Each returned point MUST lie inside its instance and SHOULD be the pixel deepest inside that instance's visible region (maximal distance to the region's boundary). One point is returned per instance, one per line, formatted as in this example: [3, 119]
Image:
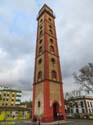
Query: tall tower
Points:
[48, 100]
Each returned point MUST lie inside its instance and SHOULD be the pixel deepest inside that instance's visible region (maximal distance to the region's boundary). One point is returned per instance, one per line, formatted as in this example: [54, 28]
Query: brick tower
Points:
[48, 100]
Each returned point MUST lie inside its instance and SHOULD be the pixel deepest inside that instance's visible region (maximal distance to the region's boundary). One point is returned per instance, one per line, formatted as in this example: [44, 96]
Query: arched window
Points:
[40, 41]
[54, 75]
[39, 75]
[40, 49]
[50, 31]
[40, 61]
[50, 26]
[51, 40]
[53, 60]
[40, 20]
[41, 32]
[49, 19]
[40, 27]
[51, 48]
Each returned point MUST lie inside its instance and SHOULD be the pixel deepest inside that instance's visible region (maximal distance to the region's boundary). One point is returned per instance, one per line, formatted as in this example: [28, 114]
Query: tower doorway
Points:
[55, 110]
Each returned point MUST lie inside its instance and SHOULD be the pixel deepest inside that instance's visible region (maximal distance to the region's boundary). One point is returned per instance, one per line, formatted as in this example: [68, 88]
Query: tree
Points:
[85, 78]
[69, 99]
[72, 94]
[27, 103]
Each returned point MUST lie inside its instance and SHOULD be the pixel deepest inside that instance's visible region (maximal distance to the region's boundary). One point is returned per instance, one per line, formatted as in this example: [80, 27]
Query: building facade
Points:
[81, 105]
[14, 113]
[9, 97]
[48, 100]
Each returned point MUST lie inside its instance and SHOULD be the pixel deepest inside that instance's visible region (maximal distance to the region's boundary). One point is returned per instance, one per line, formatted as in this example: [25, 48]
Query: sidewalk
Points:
[49, 123]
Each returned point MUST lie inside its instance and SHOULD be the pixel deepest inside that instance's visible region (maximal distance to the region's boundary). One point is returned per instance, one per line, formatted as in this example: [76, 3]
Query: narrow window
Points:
[53, 60]
[39, 75]
[77, 110]
[41, 32]
[38, 104]
[40, 20]
[83, 111]
[40, 41]
[40, 49]
[51, 48]
[82, 104]
[54, 75]
[40, 61]
[51, 40]
[50, 31]
[50, 26]
[49, 19]
[40, 27]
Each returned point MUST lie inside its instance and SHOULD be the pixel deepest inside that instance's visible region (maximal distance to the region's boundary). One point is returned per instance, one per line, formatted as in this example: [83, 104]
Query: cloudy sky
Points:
[18, 25]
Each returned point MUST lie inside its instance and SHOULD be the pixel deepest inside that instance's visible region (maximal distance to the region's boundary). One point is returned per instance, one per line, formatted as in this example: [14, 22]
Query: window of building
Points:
[82, 104]
[41, 32]
[38, 104]
[40, 27]
[51, 48]
[12, 99]
[54, 75]
[83, 111]
[71, 110]
[53, 60]
[39, 75]
[50, 31]
[50, 26]
[89, 111]
[76, 105]
[51, 40]
[13, 95]
[77, 110]
[4, 99]
[41, 20]
[40, 49]
[49, 19]
[40, 41]
[40, 61]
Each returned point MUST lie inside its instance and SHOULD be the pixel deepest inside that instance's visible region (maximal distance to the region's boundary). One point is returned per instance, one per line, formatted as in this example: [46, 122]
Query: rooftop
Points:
[81, 97]
[2, 88]
[45, 8]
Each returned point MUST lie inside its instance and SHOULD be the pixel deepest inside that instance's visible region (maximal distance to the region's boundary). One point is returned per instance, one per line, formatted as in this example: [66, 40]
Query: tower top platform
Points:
[47, 9]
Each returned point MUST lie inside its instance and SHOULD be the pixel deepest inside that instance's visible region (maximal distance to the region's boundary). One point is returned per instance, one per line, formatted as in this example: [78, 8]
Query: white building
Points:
[81, 105]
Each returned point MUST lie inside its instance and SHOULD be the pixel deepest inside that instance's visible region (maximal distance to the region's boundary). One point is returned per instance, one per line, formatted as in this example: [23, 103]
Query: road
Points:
[79, 122]
[70, 122]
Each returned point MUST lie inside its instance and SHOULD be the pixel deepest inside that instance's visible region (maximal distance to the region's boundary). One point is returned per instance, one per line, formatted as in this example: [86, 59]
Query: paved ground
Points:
[79, 122]
[70, 122]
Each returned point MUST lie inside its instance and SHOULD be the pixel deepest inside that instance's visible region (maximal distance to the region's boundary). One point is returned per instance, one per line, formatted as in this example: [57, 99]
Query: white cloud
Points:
[74, 23]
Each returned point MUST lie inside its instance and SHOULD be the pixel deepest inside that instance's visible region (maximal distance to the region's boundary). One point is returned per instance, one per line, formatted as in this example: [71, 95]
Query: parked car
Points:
[69, 115]
[88, 116]
[91, 116]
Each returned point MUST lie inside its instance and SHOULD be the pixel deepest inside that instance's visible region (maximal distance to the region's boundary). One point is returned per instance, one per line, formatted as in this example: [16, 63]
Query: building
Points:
[14, 113]
[81, 105]
[48, 101]
[9, 97]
